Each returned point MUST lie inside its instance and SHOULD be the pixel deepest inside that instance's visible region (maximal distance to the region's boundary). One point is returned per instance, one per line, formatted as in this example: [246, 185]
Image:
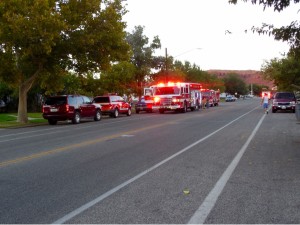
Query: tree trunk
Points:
[23, 90]
[22, 108]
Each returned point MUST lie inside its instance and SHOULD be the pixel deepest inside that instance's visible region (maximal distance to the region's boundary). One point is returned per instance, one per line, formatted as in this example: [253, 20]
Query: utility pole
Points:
[166, 65]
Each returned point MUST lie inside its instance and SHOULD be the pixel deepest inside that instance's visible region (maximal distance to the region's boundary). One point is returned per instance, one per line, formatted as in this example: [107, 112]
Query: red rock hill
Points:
[249, 76]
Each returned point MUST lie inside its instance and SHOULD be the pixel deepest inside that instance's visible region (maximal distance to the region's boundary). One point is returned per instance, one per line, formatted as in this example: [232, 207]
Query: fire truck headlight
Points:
[175, 100]
[156, 99]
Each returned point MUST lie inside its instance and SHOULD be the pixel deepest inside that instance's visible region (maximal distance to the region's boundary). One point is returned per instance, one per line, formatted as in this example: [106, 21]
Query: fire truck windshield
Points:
[166, 90]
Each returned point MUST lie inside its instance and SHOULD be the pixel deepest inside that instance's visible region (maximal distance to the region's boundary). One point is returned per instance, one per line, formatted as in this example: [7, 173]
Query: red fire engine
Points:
[266, 92]
[179, 96]
[212, 96]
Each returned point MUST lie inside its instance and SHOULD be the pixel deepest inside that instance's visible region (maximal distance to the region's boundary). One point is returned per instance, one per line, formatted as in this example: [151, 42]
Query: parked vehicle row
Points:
[76, 107]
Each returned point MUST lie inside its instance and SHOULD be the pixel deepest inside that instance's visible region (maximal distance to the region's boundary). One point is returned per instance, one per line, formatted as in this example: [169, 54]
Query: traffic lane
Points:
[42, 139]
[265, 188]
[56, 184]
[158, 196]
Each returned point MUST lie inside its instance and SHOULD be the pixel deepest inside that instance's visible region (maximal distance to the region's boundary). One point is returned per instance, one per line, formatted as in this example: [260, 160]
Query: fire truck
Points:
[212, 96]
[266, 92]
[179, 96]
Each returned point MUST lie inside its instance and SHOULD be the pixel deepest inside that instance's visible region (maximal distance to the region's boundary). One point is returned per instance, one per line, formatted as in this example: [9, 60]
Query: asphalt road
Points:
[226, 164]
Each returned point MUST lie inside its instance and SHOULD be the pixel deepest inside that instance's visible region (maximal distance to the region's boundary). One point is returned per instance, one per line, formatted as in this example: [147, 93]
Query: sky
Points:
[195, 31]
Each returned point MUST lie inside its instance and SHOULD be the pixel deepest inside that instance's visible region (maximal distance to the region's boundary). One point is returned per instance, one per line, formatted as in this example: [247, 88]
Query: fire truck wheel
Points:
[161, 111]
[137, 111]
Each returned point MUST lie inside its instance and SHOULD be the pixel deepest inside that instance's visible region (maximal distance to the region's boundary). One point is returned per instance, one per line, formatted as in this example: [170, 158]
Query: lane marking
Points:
[208, 204]
[117, 188]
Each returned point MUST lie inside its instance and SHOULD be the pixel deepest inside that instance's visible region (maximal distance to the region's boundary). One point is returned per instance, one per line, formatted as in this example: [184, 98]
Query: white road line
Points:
[88, 205]
[207, 205]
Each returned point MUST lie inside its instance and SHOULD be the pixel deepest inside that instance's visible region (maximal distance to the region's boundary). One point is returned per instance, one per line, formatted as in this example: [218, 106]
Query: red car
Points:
[113, 105]
[70, 107]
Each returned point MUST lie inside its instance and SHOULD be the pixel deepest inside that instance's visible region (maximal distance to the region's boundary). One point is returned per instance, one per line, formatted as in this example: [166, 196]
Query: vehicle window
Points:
[86, 99]
[56, 100]
[101, 100]
[285, 96]
[79, 100]
[114, 98]
[71, 100]
[166, 90]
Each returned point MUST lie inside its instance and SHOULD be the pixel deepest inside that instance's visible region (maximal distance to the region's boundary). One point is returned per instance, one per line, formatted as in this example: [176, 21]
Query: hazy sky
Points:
[185, 25]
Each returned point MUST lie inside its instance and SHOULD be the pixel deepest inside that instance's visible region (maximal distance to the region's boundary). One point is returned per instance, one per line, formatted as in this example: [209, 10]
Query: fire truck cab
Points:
[179, 96]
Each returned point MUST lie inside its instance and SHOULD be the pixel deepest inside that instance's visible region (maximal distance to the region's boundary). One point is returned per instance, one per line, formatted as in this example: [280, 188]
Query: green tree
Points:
[289, 33]
[119, 79]
[284, 72]
[142, 57]
[234, 84]
[41, 40]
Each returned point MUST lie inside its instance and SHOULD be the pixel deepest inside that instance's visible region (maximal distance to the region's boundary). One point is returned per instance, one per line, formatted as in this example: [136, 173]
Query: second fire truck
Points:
[179, 96]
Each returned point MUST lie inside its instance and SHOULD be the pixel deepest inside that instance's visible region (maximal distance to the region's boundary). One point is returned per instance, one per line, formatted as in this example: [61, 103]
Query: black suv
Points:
[284, 101]
[70, 107]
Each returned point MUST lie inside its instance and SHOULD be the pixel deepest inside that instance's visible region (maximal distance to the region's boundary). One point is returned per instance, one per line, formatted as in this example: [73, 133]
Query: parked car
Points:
[144, 104]
[70, 107]
[284, 101]
[113, 105]
[230, 98]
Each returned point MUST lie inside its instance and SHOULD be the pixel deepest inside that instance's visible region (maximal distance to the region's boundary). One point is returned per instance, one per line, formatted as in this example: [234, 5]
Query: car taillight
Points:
[67, 108]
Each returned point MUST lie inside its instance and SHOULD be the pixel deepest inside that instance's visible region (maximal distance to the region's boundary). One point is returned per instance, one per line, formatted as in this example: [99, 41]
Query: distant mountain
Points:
[249, 76]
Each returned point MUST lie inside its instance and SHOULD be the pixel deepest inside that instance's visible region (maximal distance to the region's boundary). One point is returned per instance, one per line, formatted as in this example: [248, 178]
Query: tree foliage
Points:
[42, 40]
[289, 33]
[142, 57]
[119, 79]
[234, 84]
[284, 72]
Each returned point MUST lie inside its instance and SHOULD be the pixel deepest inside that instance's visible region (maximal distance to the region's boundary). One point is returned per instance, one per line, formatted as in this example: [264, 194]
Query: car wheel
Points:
[293, 110]
[161, 111]
[98, 115]
[52, 122]
[116, 113]
[76, 118]
[129, 112]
